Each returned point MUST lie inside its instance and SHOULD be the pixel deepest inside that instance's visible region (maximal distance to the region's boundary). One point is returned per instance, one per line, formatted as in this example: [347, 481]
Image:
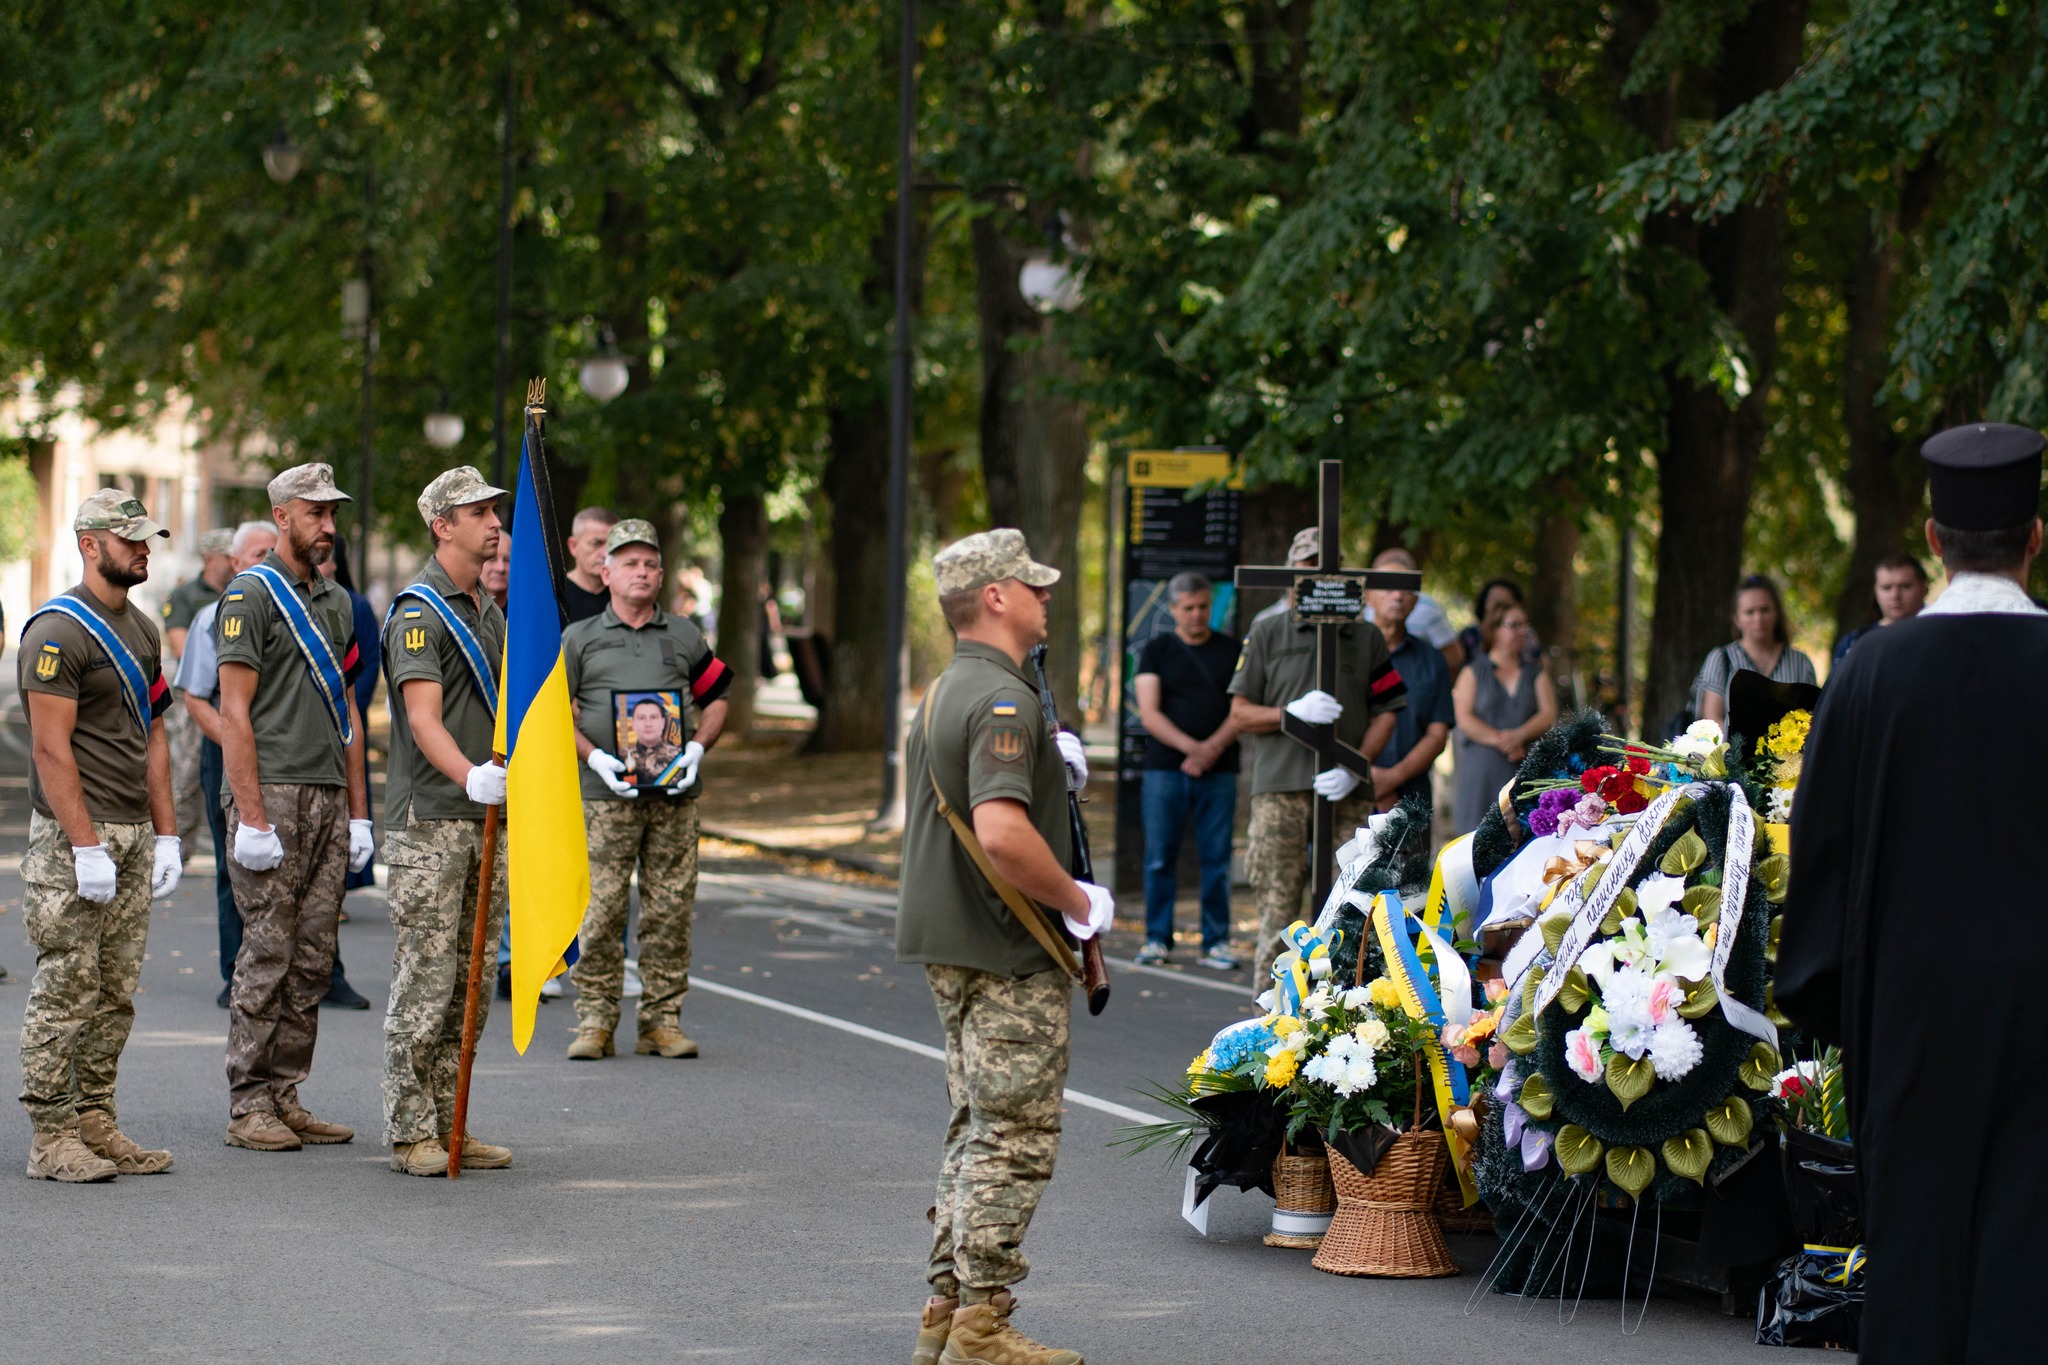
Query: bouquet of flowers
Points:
[1778, 759]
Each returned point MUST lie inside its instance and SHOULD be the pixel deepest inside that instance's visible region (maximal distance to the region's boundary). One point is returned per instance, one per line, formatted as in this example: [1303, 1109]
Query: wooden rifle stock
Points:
[1094, 971]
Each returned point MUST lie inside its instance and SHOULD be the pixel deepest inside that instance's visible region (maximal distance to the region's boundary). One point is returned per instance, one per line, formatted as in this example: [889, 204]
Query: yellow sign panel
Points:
[1181, 469]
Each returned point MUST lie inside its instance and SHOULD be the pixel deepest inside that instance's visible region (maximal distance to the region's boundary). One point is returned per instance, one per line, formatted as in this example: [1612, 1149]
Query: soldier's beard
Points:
[125, 575]
[317, 548]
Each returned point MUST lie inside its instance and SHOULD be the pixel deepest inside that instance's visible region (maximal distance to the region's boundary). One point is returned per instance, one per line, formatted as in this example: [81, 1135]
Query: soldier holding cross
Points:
[1276, 675]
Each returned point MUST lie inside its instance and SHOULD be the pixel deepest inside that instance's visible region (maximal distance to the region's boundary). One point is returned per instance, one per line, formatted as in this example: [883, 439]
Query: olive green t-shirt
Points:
[58, 657]
[296, 738]
[605, 658]
[988, 741]
[418, 646]
[1278, 664]
[184, 603]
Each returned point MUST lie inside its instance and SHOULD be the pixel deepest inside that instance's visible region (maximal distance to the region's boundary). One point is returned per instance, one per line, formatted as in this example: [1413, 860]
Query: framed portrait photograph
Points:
[649, 726]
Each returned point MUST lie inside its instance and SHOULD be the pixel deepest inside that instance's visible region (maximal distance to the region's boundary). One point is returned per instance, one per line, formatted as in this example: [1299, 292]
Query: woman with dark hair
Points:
[1502, 699]
[1470, 645]
[1762, 644]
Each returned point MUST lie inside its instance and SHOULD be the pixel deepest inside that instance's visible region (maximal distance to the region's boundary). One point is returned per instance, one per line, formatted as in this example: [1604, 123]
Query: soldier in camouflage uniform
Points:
[1003, 1000]
[1276, 672]
[297, 796]
[91, 676]
[180, 609]
[631, 648]
[440, 780]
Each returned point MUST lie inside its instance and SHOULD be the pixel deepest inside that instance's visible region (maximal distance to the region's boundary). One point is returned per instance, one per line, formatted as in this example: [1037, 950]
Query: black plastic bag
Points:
[1813, 1299]
[1821, 1184]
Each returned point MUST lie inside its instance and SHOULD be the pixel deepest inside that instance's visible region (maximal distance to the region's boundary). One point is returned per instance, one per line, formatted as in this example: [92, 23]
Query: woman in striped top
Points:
[1761, 644]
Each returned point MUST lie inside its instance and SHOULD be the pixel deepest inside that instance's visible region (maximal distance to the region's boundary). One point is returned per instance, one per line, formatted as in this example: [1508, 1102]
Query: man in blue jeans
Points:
[1190, 767]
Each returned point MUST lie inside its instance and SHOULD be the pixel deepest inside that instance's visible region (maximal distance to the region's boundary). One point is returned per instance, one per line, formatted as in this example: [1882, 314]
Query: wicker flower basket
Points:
[1453, 1216]
[1385, 1224]
[1303, 1200]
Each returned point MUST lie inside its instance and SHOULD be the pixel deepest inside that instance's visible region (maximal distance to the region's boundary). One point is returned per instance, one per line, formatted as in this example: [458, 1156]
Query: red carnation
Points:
[1630, 801]
[1595, 779]
[1620, 784]
[1792, 1088]
[1638, 765]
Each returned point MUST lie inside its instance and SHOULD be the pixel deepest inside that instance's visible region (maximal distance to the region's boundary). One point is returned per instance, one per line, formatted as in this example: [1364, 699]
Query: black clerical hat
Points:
[1984, 476]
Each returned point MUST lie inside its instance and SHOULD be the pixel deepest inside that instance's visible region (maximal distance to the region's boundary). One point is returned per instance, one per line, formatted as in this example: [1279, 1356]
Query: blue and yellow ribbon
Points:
[1420, 1000]
[1293, 970]
[325, 668]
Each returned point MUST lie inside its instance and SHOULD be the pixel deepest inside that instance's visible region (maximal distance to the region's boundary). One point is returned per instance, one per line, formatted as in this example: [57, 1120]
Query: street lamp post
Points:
[889, 814]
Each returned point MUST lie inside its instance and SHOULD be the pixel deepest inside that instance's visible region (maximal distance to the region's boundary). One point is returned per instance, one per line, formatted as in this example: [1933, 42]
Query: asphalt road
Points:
[763, 1203]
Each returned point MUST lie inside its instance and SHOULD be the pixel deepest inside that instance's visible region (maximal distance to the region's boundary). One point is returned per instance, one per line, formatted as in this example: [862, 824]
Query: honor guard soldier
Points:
[985, 789]
[90, 674]
[650, 699]
[297, 796]
[183, 606]
[444, 641]
[1275, 673]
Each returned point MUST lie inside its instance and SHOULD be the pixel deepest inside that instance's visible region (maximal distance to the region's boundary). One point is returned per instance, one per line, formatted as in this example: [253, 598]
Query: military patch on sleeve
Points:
[234, 597]
[412, 613]
[48, 659]
[415, 639]
[1004, 708]
[1006, 742]
[231, 626]
[166, 611]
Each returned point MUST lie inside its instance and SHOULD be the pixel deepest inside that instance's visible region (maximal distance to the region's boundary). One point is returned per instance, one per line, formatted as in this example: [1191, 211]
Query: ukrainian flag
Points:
[549, 860]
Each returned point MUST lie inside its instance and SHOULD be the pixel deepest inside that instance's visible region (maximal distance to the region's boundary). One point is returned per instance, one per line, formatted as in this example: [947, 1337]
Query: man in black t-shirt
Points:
[1190, 767]
[584, 593]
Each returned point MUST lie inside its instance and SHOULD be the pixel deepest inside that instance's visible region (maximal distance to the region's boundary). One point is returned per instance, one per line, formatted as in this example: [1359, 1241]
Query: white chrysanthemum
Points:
[1700, 739]
[1778, 809]
[1626, 994]
[1346, 1066]
[1355, 998]
[1674, 1049]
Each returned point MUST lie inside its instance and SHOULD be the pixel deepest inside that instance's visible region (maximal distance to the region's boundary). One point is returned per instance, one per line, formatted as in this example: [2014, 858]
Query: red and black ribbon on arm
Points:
[709, 680]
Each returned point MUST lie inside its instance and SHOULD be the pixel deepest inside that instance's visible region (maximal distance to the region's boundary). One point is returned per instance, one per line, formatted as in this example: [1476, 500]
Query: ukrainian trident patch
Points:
[48, 659]
[415, 639]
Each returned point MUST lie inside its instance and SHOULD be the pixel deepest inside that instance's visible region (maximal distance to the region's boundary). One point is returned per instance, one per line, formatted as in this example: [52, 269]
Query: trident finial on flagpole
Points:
[536, 393]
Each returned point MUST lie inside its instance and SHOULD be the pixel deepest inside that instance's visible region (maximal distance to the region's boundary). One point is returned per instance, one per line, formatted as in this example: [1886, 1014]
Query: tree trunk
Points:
[856, 479]
[743, 540]
[1885, 474]
[1708, 466]
[1553, 595]
[1034, 443]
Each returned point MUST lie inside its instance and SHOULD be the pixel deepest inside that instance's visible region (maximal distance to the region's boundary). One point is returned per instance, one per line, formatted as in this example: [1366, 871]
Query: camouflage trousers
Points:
[286, 964]
[1006, 1071]
[183, 734]
[435, 867]
[1276, 862]
[88, 963]
[660, 837]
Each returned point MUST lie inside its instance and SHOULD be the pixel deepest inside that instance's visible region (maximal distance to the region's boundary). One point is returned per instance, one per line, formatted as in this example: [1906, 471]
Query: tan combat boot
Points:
[315, 1132]
[933, 1329]
[261, 1132]
[665, 1040]
[981, 1335]
[592, 1044]
[61, 1156]
[425, 1157]
[97, 1132]
[478, 1155]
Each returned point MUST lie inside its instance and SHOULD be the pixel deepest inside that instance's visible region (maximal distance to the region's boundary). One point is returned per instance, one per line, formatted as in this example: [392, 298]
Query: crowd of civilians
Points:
[1483, 690]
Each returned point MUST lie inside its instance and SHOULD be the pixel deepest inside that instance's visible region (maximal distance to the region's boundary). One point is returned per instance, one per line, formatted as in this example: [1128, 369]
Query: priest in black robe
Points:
[1917, 916]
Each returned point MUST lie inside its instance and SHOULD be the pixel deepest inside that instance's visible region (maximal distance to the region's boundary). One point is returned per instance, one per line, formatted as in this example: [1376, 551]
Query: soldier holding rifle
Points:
[986, 846]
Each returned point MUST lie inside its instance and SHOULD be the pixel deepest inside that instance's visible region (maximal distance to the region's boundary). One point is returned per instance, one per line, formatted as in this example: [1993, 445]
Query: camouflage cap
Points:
[313, 482]
[989, 557]
[459, 487]
[116, 510]
[1306, 547]
[219, 542]
[632, 531]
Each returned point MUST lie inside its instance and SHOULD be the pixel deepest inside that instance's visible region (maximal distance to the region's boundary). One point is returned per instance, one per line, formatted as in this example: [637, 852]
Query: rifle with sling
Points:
[1094, 972]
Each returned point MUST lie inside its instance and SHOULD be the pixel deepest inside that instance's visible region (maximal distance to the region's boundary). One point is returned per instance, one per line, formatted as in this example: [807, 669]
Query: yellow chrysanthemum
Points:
[1286, 1026]
[1280, 1068]
[1200, 1064]
[1384, 992]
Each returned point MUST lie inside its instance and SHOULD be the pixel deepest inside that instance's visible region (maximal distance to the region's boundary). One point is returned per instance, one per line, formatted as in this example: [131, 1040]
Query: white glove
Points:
[1075, 757]
[486, 784]
[608, 769]
[1101, 911]
[170, 866]
[362, 844]
[693, 754]
[95, 873]
[1317, 708]
[259, 850]
[1336, 784]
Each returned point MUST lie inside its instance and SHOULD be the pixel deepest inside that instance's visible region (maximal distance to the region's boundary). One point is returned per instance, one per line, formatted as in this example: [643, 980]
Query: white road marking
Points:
[875, 1035]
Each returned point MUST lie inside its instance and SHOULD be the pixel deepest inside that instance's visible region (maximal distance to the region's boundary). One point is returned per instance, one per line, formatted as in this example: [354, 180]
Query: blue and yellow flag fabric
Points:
[549, 860]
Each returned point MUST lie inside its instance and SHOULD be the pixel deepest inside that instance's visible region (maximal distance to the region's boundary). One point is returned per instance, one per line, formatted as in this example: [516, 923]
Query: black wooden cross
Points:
[1329, 596]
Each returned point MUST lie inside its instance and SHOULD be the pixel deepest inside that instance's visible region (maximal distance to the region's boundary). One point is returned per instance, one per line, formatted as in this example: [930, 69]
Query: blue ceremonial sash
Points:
[465, 638]
[313, 643]
[134, 687]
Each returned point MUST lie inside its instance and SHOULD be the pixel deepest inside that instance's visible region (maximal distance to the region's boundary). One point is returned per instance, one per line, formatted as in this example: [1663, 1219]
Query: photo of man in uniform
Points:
[649, 735]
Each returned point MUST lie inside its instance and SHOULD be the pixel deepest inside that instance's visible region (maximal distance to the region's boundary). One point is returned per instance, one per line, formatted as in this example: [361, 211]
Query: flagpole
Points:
[484, 880]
